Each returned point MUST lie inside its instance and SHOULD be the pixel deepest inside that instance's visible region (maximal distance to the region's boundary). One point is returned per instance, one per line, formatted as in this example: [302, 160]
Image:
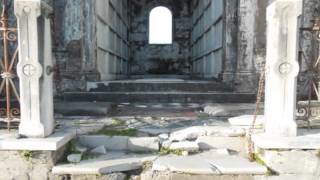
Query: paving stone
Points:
[74, 158]
[185, 146]
[184, 164]
[104, 166]
[307, 141]
[82, 108]
[246, 120]
[143, 144]
[208, 163]
[119, 143]
[212, 142]
[99, 150]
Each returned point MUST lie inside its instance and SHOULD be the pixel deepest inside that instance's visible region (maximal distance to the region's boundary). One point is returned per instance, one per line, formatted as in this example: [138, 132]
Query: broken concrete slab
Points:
[190, 133]
[184, 164]
[208, 163]
[185, 146]
[237, 144]
[230, 109]
[143, 144]
[246, 120]
[104, 166]
[119, 143]
[193, 133]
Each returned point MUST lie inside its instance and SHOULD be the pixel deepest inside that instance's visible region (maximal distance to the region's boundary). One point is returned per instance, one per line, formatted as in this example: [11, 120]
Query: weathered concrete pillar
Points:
[35, 68]
[282, 67]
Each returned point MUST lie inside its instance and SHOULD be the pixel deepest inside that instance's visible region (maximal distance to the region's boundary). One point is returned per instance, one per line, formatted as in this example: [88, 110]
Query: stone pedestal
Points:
[282, 67]
[35, 68]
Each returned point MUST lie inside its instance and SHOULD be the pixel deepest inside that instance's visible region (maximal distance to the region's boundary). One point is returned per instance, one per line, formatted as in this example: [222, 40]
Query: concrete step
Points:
[161, 97]
[156, 85]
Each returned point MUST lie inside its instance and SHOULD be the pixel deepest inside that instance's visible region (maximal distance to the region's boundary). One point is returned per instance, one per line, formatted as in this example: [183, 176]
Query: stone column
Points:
[282, 67]
[35, 68]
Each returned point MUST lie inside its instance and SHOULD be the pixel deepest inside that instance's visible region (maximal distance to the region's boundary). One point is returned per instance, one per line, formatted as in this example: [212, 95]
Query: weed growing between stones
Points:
[166, 150]
[27, 155]
[117, 122]
[269, 172]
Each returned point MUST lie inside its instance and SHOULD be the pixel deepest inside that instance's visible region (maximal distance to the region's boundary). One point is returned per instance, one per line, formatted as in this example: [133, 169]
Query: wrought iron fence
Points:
[10, 100]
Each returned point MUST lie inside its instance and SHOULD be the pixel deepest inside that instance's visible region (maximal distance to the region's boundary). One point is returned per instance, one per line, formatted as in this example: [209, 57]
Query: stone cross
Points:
[35, 58]
[282, 67]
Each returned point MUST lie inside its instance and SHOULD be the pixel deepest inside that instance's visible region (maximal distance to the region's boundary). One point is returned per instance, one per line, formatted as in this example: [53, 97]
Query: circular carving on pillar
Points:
[26, 9]
[29, 70]
[285, 68]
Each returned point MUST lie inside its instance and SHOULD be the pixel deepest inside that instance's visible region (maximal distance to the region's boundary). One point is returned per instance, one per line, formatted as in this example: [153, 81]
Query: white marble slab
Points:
[8, 141]
[309, 141]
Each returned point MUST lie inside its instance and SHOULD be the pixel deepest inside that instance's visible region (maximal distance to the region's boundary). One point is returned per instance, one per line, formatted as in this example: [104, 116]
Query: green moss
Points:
[27, 155]
[118, 132]
[166, 150]
[117, 122]
[258, 160]
[87, 156]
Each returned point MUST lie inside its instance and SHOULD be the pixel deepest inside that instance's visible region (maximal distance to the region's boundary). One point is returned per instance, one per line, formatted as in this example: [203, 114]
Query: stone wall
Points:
[112, 38]
[37, 165]
[160, 59]
[74, 44]
[251, 43]
[207, 36]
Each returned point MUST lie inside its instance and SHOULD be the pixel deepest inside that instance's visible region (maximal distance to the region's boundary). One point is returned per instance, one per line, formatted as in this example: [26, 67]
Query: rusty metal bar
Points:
[7, 87]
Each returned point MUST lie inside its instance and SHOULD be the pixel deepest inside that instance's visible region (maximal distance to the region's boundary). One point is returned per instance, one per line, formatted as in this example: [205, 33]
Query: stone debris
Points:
[185, 146]
[121, 143]
[80, 148]
[191, 133]
[74, 158]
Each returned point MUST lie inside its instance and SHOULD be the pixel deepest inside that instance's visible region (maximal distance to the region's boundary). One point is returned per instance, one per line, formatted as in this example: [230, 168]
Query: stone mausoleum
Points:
[160, 89]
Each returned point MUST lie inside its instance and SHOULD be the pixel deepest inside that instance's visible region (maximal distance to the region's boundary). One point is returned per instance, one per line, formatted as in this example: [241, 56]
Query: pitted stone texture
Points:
[292, 162]
[113, 176]
[14, 165]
